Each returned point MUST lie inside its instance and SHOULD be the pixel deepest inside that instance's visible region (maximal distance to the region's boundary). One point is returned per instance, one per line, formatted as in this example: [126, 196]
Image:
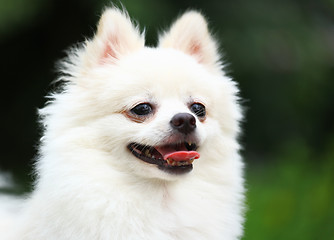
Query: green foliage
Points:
[15, 13]
[292, 199]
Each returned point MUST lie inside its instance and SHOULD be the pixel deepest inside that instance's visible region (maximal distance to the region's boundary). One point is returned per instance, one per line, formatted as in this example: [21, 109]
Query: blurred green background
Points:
[280, 52]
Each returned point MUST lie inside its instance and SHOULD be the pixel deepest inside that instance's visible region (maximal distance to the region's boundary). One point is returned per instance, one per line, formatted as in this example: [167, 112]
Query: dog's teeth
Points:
[171, 162]
[147, 153]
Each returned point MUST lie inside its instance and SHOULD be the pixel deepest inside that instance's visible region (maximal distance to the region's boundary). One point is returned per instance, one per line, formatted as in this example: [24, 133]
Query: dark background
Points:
[280, 52]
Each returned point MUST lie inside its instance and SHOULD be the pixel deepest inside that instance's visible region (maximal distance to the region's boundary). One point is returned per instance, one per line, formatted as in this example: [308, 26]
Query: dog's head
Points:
[155, 111]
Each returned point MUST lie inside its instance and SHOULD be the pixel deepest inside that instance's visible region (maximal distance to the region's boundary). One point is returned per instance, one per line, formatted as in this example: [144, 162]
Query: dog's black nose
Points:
[183, 122]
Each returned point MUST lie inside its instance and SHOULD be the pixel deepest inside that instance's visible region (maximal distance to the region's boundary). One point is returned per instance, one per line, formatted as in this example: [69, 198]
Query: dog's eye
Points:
[198, 109]
[142, 109]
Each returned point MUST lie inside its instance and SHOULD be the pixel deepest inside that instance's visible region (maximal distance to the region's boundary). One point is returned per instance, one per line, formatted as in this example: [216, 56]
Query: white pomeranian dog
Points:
[140, 143]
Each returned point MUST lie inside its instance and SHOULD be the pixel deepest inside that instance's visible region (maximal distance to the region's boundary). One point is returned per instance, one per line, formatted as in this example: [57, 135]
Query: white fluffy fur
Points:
[89, 184]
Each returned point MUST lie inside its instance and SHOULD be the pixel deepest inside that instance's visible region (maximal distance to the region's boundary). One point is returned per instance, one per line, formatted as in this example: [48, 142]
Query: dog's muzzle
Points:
[178, 154]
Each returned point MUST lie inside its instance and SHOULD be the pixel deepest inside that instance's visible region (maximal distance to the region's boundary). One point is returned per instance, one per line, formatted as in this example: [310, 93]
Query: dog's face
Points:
[157, 111]
[165, 111]
[167, 114]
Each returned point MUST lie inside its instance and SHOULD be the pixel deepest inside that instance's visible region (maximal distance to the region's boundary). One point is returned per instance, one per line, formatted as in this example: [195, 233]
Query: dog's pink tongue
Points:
[179, 153]
[182, 155]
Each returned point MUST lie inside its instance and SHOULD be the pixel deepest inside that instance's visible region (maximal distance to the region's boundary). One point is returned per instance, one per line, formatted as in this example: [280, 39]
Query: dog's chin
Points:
[175, 159]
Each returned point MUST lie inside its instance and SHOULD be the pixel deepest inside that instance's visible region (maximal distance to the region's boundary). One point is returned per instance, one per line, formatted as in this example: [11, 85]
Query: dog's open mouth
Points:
[172, 158]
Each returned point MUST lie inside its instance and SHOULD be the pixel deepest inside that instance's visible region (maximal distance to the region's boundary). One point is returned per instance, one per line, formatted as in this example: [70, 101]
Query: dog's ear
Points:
[190, 35]
[116, 37]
